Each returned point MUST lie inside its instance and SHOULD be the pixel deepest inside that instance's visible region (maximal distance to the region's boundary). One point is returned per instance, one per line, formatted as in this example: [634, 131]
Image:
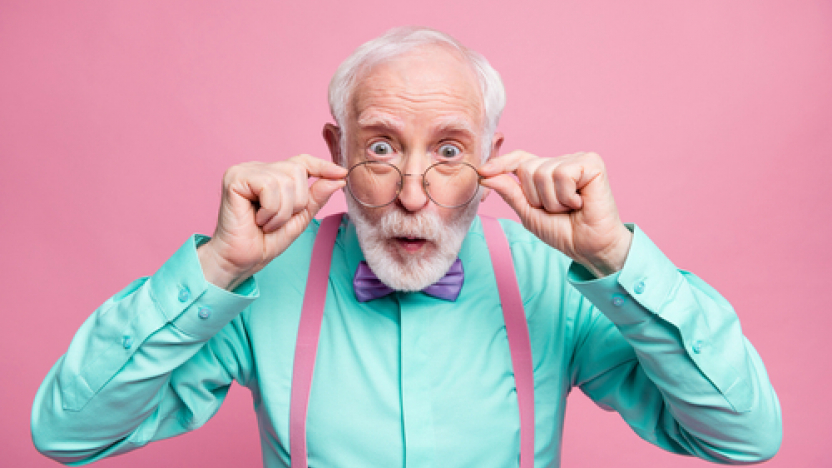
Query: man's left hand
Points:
[566, 202]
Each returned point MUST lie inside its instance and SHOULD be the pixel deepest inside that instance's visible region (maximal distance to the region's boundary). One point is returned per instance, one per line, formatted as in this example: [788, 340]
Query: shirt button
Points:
[204, 313]
[639, 287]
[617, 300]
[184, 295]
[697, 346]
[127, 342]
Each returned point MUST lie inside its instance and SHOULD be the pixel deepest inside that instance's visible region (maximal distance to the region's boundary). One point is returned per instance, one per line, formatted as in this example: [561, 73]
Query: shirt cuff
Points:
[191, 303]
[635, 292]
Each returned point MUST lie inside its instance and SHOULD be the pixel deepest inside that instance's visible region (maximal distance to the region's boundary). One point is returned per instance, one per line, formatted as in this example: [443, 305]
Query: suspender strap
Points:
[309, 330]
[312, 315]
[518, 333]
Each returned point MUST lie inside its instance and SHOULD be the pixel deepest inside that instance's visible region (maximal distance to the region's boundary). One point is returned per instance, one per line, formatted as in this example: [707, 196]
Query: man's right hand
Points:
[264, 208]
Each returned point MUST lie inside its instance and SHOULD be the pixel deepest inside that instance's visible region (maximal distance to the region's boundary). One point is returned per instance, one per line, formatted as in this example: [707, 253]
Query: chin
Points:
[387, 240]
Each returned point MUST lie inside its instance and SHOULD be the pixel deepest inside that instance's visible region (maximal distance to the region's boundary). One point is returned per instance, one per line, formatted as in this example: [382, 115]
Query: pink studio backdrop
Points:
[117, 120]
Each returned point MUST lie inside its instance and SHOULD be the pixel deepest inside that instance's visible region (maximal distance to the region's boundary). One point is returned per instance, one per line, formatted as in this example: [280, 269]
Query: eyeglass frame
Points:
[400, 185]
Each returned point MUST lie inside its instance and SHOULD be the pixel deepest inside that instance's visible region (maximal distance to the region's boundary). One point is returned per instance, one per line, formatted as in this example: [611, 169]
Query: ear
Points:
[332, 136]
[496, 144]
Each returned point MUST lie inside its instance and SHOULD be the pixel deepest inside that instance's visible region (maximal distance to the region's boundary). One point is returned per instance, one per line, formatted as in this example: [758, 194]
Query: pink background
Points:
[117, 120]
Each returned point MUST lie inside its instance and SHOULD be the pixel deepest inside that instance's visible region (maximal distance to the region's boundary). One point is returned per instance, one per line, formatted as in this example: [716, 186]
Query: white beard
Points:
[412, 272]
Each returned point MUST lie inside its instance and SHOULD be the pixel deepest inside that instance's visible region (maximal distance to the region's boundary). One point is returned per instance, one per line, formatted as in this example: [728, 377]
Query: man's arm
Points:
[144, 366]
[689, 381]
[694, 383]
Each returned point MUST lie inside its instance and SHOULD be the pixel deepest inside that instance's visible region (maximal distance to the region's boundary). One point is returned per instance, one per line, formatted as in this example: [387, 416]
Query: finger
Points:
[592, 167]
[300, 187]
[320, 192]
[294, 176]
[239, 201]
[238, 191]
[505, 163]
[266, 205]
[546, 186]
[566, 185]
[265, 191]
[574, 176]
[283, 208]
[243, 192]
[526, 174]
[510, 190]
[320, 168]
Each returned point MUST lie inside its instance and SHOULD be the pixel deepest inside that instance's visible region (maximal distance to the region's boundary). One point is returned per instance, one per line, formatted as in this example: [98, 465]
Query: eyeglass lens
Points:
[448, 184]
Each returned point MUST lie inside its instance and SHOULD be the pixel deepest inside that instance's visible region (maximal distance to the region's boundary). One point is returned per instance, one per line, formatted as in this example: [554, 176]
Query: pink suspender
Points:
[518, 333]
[308, 331]
[313, 311]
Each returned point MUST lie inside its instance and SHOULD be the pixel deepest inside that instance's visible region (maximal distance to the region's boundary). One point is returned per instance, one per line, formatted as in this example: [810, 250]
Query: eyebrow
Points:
[455, 124]
[381, 120]
[449, 124]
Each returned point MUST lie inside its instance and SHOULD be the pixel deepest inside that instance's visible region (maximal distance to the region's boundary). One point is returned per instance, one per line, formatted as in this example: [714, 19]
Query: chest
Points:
[407, 380]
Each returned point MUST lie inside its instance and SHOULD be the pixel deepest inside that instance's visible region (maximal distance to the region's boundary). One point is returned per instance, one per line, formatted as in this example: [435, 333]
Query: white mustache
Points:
[423, 225]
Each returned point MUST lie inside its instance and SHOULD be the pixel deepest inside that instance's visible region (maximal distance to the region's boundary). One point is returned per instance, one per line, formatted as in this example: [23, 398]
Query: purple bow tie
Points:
[368, 286]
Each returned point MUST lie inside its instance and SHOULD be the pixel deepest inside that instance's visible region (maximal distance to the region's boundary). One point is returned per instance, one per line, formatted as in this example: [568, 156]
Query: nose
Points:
[413, 197]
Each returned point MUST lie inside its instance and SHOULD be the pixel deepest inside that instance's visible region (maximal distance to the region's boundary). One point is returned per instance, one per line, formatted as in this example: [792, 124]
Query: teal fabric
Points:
[408, 379]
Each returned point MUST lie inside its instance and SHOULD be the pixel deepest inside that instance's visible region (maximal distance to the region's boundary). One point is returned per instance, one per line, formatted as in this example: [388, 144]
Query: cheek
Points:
[370, 215]
[447, 216]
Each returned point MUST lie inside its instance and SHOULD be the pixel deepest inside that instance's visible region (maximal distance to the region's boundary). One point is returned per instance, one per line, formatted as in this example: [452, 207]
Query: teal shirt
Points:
[408, 379]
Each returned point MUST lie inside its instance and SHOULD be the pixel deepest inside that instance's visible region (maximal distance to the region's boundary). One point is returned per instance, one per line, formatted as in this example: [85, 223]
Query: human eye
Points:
[381, 148]
[449, 151]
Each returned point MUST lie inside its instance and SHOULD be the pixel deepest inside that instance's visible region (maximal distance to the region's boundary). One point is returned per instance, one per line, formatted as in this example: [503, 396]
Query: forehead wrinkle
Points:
[456, 120]
[441, 92]
[415, 86]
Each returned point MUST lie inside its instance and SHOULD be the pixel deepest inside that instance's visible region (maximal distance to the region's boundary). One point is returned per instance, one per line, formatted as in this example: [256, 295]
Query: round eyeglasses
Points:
[449, 184]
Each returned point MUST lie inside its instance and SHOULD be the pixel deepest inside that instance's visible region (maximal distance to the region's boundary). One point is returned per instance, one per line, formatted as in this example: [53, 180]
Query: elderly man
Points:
[418, 359]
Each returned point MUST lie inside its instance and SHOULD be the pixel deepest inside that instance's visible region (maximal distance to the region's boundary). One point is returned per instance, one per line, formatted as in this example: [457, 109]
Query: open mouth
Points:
[411, 244]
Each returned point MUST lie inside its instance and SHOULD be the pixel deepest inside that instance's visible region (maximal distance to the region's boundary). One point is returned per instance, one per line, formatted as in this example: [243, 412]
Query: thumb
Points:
[509, 189]
[320, 192]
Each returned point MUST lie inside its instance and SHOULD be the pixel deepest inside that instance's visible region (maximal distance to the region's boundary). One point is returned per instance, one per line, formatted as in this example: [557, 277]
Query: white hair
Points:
[397, 42]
